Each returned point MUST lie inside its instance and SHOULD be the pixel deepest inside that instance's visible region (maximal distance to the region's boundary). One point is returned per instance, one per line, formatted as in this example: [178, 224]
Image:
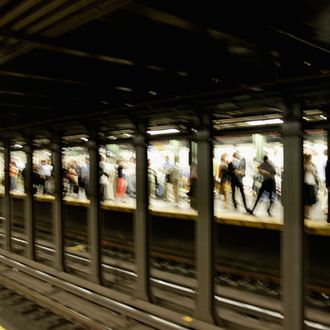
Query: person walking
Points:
[224, 177]
[267, 170]
[327, 183]
[236, 171]
[311, 182]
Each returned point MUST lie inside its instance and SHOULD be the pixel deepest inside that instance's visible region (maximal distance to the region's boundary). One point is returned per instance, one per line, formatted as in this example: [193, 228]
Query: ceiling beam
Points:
[46, 44]
[99, 9]
[181, 23]
[60, 15]
[65, 21]
[300, 40]
[37, 14]
[19, 9]
[20, 93]
[37, 77]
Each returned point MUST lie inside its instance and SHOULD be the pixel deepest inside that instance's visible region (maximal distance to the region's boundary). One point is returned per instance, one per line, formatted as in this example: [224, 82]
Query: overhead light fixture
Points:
[84, 139]
[18, 145]
[182, 73]
[124, 89]
[127, 135]
[155, 67]
[323, 117]
[164, 131]
[256, 88]
[265, 122]
[216, 80]
[152, 92]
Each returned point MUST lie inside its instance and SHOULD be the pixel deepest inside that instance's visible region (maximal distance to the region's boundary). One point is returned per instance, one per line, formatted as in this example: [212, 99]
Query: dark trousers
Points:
[237, 184]
[269, 187]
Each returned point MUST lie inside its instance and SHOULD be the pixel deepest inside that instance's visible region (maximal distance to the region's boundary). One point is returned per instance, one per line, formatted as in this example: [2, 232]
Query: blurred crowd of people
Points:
[232, 171]
[170, 183]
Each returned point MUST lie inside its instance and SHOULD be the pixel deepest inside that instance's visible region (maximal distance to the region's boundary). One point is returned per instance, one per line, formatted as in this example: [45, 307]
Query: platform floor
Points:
[317, 223]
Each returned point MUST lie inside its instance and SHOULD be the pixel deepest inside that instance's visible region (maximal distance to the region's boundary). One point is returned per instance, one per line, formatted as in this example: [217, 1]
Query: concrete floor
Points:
[317, 212]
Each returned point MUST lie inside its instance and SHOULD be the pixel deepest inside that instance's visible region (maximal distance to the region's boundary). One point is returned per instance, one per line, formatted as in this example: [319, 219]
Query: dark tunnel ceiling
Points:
[87, 60]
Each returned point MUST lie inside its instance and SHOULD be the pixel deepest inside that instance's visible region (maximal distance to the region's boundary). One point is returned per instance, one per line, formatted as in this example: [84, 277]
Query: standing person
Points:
[45, 172]
[236, 169]
[131, 177]
[310, 184]
[120, 182]
[175, 178]
[152, 181]
[84, 179]
[167, 167]
[72, 176]
[327, 183]
[192, 193]
[267, 170]
[108, 173]
[224, 177]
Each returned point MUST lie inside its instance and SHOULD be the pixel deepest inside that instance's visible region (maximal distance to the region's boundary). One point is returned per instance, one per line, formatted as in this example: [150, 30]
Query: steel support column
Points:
[94, 209]
[327, 171]
[8, 213]
[29, 210]
[293, 233]
[204, 241]
[58, 220]
[141, 221]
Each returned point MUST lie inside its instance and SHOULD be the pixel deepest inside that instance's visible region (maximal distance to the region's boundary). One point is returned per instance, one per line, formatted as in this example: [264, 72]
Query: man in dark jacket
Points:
[327, 183]
[268, 184]
[236, 171]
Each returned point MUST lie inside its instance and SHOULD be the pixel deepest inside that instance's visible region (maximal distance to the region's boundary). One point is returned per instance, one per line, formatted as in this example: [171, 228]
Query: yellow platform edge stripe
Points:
[313, 227]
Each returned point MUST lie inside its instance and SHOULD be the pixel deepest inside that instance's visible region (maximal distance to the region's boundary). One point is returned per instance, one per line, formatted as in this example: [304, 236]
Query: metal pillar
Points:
[58, 220]
[205, 223]
[293, 233]
[141, 221]
[8, 213]
[94, 210]
[29, 210]
[327, 170]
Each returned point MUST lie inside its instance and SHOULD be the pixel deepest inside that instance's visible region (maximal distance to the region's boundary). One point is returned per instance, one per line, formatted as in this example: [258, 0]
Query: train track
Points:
[16, 310]
[185, 287]
[227, 270]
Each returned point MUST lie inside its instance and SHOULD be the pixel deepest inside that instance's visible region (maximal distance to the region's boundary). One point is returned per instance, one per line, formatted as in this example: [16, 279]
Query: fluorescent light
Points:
[323, 117]
[127, 135]
[265, 122]
[164, 131]
[182, 73]
[18, 145]
[84, 139]
[124, 89]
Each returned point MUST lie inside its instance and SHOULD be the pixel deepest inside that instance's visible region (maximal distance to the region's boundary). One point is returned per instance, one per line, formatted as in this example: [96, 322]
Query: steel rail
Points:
[243, 306]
